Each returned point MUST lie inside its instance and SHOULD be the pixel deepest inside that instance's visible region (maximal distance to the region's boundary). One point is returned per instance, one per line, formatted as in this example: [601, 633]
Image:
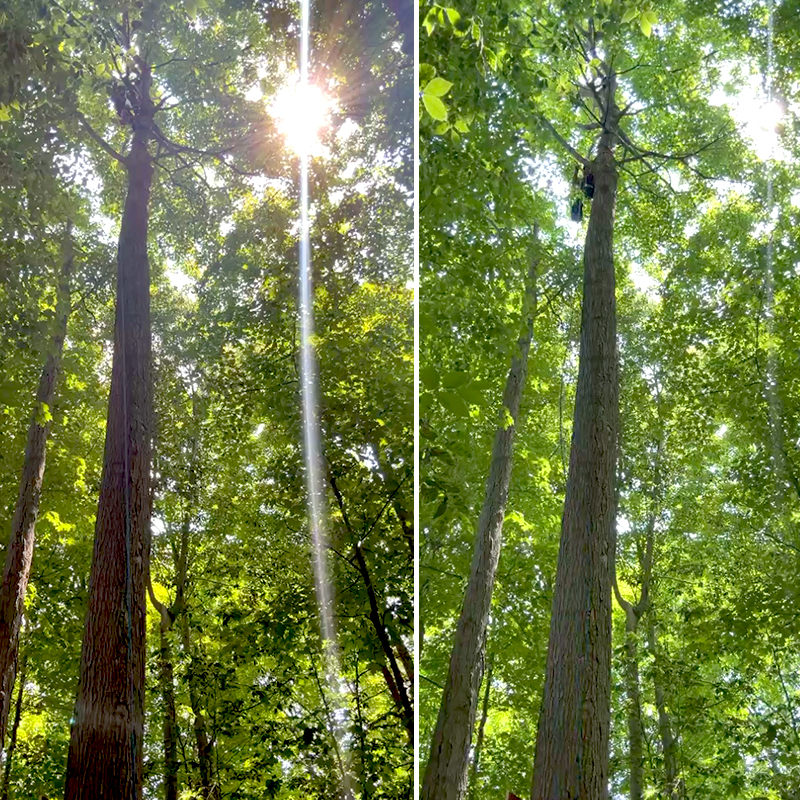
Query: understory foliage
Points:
[706, 264]
[230, 563]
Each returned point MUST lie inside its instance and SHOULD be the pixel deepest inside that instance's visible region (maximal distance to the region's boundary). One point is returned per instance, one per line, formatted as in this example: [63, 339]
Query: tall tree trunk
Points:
[447, 770]
[481, 728]
[106, 744]
[573, 735]
[672, 783]
[12, 739]
[19, 554]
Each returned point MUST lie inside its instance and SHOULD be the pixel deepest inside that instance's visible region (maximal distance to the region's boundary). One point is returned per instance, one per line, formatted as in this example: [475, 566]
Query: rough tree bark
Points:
[19, 554]
[106, 743]
[447, 771]
[573, 735]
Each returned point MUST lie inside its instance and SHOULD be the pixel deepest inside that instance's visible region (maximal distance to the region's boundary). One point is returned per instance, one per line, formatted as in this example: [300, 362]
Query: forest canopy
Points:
[147, 178]
[609, 497]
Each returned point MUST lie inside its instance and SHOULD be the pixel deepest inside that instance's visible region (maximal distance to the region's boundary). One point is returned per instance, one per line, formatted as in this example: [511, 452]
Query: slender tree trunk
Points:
[167, 680]
[400, 692]
[19, 554]
[481, 727]
[669, 746]
[106, 744]
[170, 719]
[634, 708]
[205, 747]
[447, 770]
[12, 739]
[573, 736]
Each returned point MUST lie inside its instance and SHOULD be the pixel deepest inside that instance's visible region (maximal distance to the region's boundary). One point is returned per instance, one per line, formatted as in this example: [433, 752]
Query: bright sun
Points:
[301, 111]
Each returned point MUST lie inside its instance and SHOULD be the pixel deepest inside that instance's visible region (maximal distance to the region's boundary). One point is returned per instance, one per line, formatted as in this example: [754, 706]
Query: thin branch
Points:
[564, 143]
[100, 140]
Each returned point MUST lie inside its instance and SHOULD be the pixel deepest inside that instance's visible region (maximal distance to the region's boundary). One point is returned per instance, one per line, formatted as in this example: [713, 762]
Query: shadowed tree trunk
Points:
[391, 673]
[573, 735]
[12, 738]
[19, 554]
[447, 770]
[106, 744]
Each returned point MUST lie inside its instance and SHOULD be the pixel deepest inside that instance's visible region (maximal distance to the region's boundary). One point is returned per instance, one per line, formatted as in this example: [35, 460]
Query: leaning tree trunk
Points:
[106, 744]
[573, 735]
[23, 527]
[447, 771]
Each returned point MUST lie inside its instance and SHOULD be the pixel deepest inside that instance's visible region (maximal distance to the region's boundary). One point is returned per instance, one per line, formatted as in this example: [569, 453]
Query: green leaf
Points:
[461, 125]
[429, 377]
[5, 115]
[427, 72]
[630, 14]
[434, 106]
[438, 87]
[454, 403]
[454, 379]
[645, 25]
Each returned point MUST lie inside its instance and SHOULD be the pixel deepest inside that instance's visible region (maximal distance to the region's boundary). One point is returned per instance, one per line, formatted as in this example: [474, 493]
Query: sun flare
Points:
[301, 112]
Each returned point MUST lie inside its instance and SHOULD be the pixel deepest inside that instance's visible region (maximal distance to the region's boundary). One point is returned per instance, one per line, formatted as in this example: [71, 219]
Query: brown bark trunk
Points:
[12, 743]
[106, 744]
[476, 759]
[672, 783]
[573, 736]
[19, 555]
[447, 770]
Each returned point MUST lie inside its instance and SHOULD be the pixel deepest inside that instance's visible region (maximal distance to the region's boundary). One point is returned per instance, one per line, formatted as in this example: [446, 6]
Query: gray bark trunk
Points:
[447, 770]
[19, 555]
[573, 735]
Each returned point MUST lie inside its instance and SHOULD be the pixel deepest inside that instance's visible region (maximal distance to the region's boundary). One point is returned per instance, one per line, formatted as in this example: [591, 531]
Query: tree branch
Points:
[562, 141]
[100, 140]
